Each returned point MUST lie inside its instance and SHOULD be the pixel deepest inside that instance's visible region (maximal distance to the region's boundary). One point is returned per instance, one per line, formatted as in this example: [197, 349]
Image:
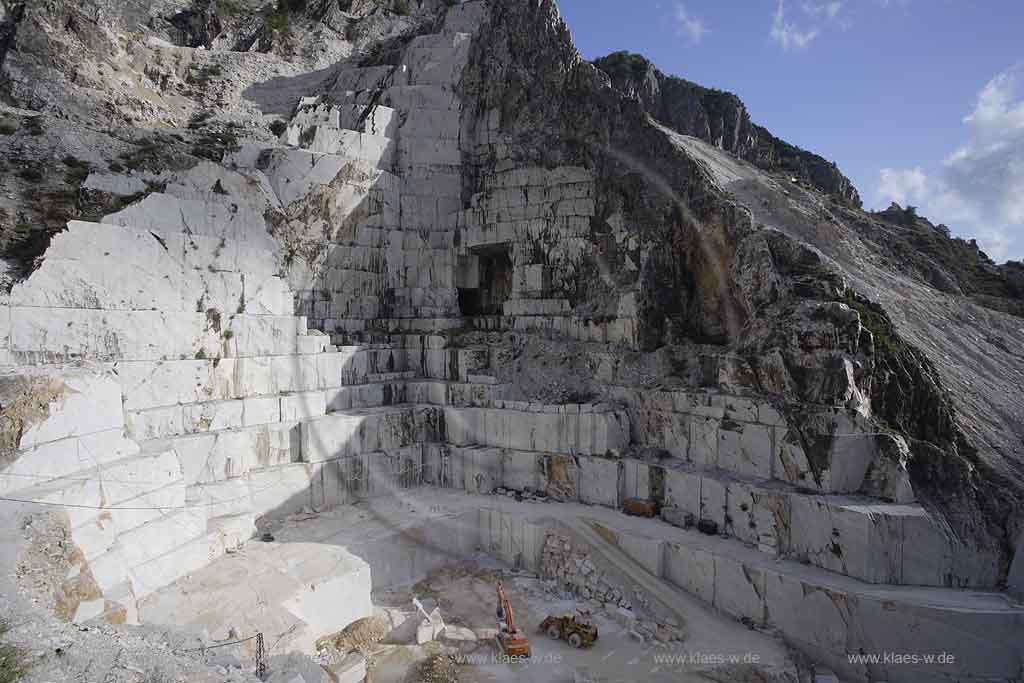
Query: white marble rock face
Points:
[273, 334]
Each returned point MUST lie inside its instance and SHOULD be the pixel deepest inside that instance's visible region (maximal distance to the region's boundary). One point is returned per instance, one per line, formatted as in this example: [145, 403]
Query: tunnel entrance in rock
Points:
[485, 280]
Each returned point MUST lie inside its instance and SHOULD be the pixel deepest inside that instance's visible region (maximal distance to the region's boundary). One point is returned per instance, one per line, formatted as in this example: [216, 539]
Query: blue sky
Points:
[918, 101]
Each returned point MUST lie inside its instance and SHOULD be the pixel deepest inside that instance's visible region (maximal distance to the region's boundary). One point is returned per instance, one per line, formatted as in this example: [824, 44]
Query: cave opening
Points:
[485, 280]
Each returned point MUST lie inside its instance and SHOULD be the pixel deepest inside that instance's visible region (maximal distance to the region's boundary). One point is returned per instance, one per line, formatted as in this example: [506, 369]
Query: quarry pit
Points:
[290, 411]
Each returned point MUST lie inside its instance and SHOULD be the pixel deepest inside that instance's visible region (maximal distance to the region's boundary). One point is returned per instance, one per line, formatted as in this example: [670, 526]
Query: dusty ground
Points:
[467, 599]
[390, 535]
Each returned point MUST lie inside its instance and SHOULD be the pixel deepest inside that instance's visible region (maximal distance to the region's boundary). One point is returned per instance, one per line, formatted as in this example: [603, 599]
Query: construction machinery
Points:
[567, 627]
[640, 507]
[511, 640]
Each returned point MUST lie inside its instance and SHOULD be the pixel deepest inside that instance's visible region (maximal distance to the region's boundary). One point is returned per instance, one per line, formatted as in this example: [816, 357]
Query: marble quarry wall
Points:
[280, 332]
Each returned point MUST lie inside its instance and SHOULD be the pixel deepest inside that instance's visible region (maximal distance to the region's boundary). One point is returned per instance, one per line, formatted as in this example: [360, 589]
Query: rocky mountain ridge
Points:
[720, 118]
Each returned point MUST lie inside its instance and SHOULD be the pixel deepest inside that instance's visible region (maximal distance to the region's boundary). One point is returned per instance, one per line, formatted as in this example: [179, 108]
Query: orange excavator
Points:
[512, 641]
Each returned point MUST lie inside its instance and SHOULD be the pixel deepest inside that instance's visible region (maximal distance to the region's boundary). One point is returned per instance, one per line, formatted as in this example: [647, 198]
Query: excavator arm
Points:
[505, 609]
[512, 642]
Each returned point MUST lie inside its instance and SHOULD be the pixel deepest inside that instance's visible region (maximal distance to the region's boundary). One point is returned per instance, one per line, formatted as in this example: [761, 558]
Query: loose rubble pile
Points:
[571, 571]
[441, 668]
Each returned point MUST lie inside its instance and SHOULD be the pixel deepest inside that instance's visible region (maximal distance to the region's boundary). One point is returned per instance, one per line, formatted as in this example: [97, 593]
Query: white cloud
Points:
[797, 26]
[825, 10]
[980, 187]
[989, 167]
[789, 35]
[903, 186]
[687, 25]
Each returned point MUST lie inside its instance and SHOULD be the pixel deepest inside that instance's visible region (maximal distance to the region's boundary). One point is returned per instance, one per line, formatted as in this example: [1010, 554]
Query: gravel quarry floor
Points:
[245, 591]
[469, 601]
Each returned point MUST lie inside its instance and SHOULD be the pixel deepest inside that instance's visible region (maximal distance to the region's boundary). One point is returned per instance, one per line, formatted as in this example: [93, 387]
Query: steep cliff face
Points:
[553, 108]
[662, 247]
[721, 119]
[704, 269]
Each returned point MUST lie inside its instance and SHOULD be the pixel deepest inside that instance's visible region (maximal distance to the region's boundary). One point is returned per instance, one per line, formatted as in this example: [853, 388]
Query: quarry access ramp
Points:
[665, 593]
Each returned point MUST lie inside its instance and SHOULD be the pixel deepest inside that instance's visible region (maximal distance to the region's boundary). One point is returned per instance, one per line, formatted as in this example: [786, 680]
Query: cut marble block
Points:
[350, 144]
[167, 215]
[345, 480]
[171, 421]
[332, 603]
[434, 60]
[281, 490]
[521, 307]
[854, 454]
[313, 343]
[745, 449]
[109, 267]
[65, 457]
[295, 173]
[221, 498]
[155, 423]
[848, 539]
[231, 532]
[95, 535]
[215, 456]
[462, 394]
[379, 121]
[599, 481]
[704, 441]
[138, 478]
[553, 432]
[363, 431]
[268, 296]
[859, 537]
[58, 334]
[261, 410]
[213, 416]
[830, 615]
[355, 365]
[481, 468]
[408, 97]
[424, 151]
[209, 181]
[168, 568]
[637, 480]
[365, 396]
[682, 491]
[740, 591]
[692, 569]
[303, 406]
[759, 516]
[432, 123]
[260, 335]
[151, 384]
[649, 553]
[521, 470]
[145, 543]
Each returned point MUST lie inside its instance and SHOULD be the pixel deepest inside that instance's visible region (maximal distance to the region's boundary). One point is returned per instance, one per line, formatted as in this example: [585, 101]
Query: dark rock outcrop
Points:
[926, 251]
[706, 273]
[721, 119]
